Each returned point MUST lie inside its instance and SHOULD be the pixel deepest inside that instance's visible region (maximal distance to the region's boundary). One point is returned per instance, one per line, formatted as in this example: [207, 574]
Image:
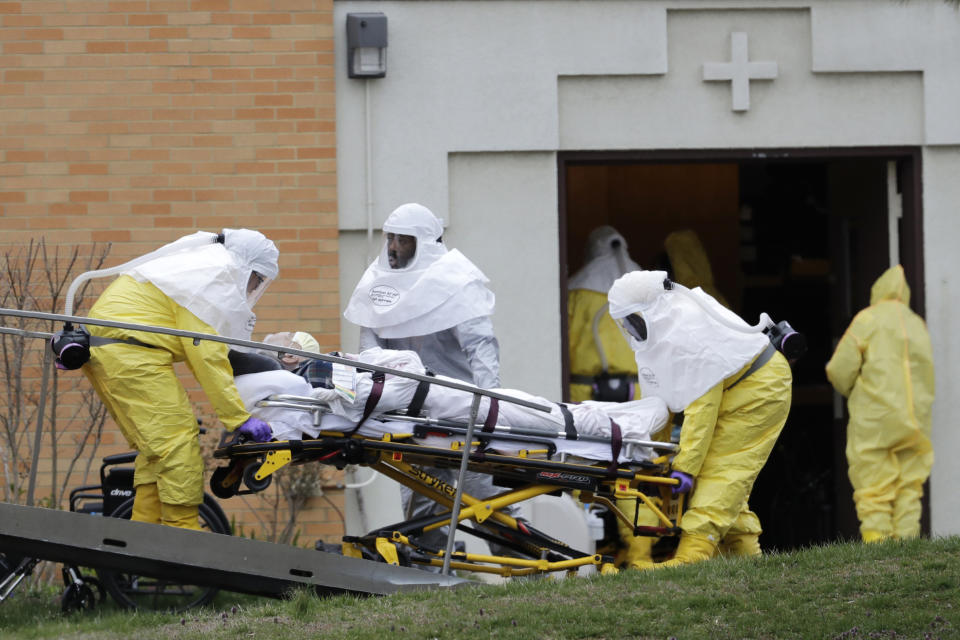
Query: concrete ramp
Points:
[197, 557]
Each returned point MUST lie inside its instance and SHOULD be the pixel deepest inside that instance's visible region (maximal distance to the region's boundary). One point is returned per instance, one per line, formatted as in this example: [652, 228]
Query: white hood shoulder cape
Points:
[210, 280]
[438, 290]
[607, 260]
[687, 351]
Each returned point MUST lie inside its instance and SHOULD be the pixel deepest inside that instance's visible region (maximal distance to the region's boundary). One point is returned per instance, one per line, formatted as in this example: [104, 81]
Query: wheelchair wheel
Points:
[134, 591]
[78, 597]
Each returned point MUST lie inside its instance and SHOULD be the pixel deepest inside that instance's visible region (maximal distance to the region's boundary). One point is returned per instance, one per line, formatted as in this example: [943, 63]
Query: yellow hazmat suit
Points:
[140, 389]
[883, 364]
[205, 283]
[734, 391]
[582, 308]
[690, 264]
[727, 436]
[597, 345]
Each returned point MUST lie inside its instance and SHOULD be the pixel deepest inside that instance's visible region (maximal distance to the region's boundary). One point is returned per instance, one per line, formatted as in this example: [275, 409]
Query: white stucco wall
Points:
[941, 189]
[480, 96]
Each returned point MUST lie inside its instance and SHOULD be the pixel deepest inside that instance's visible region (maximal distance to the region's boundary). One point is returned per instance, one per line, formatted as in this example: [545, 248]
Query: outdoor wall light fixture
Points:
[366, 45]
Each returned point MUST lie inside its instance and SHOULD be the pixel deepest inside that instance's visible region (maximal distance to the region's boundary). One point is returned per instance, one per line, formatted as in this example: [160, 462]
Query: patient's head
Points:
[294, 340]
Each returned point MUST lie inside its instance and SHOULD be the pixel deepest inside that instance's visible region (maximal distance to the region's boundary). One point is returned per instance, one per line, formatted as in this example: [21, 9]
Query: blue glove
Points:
[686, 482]
[256, 429]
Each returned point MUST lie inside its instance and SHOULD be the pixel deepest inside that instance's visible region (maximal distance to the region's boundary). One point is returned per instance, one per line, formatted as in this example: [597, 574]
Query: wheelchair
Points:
[113, 497]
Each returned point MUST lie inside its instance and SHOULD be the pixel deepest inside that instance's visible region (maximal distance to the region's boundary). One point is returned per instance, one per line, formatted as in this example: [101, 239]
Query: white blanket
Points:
[638, 419]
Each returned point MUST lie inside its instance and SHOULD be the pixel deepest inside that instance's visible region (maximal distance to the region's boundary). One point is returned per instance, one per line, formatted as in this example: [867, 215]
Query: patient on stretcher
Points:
[345, 391]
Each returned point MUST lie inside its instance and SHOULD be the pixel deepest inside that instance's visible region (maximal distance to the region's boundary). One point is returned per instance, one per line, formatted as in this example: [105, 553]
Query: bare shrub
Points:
[61, 412]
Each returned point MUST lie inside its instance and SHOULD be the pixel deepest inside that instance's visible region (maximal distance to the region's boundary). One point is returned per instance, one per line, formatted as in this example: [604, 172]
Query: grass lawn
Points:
[894, 590]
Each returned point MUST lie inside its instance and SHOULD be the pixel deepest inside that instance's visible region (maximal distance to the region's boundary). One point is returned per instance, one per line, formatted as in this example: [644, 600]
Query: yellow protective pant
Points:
[888, 487]
[148, 508]
[749, 420]
[638, 550]
[145, 398]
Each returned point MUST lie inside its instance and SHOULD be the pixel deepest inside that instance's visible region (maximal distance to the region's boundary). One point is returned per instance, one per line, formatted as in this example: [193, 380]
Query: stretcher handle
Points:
[460, 386]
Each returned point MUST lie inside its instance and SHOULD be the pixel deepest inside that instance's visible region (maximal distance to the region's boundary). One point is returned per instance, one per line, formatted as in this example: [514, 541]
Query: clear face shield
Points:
[399, 251]
[257, 283]
[633, 327]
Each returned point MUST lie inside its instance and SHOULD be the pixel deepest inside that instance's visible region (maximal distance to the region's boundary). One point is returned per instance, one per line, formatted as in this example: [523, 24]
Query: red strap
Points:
[616, 443]
[492, 414]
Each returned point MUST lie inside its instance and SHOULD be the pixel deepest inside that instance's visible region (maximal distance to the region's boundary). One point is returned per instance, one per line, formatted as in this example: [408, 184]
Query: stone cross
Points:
[740, 71]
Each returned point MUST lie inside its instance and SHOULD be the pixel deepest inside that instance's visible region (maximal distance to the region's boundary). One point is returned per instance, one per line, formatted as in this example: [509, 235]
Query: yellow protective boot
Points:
[740, 544]
[638, 553]
[870, 536]
[184, 516]
[146, 504]
[692, 549]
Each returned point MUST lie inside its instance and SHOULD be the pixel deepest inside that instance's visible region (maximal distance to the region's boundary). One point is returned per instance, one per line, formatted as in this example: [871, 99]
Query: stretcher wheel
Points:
[78, 597]
[218, 486]
[250, 479]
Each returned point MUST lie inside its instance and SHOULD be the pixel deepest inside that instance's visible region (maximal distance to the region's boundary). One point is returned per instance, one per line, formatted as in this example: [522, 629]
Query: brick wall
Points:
[135, 122]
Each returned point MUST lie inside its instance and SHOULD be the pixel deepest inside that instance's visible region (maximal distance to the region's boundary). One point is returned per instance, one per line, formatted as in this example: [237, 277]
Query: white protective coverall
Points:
[202, 289]
[437, 305]
[883, 365]
[696, 364]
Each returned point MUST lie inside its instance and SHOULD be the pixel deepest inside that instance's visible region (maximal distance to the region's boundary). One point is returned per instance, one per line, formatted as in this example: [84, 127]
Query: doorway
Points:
[799, 234]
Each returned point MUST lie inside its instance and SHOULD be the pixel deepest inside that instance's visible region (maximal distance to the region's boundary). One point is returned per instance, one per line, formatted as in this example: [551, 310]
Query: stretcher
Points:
[526, 463]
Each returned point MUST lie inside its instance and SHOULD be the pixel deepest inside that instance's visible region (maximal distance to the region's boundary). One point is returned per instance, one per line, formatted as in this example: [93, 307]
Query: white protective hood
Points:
[210, 281]
[606, 260]
[436, 290]
[687, 350]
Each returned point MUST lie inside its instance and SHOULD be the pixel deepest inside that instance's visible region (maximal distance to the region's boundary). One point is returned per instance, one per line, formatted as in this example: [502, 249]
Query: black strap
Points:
[616, 443]
[761, 360]
[98, 341]
[568, 425]
[375, 392]
[416, 405]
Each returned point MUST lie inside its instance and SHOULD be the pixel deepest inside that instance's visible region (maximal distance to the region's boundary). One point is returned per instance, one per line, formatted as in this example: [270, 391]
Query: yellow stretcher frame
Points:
[400, 458]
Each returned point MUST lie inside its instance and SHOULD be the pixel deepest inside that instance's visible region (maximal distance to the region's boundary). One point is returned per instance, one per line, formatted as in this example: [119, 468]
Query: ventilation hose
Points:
[765, 321]
[192, 241]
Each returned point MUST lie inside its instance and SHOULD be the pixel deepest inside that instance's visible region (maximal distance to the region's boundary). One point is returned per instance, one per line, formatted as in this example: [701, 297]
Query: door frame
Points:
[909, 181]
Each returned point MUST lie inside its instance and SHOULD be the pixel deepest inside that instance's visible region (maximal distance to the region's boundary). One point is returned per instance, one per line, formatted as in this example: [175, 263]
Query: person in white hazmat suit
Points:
[419, 296]
[734, 389]
[205, 283]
